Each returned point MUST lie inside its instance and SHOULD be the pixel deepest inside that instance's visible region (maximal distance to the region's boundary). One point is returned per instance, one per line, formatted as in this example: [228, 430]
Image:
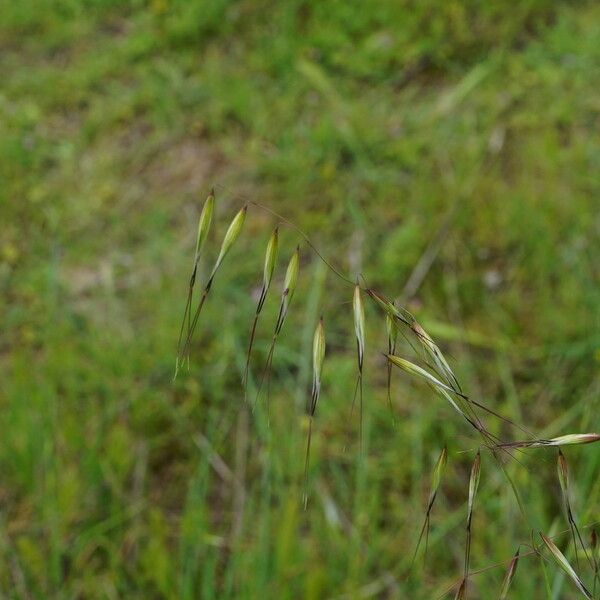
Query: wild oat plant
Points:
[429, 365]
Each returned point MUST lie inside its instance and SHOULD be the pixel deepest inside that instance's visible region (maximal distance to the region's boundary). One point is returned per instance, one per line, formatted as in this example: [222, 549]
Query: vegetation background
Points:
[461, 137]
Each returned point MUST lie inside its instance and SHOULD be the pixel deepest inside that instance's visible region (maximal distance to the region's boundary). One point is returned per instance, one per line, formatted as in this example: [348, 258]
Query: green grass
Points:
[365, 127]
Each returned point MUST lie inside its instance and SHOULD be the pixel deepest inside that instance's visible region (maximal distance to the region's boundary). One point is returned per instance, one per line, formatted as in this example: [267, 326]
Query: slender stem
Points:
[307, 461]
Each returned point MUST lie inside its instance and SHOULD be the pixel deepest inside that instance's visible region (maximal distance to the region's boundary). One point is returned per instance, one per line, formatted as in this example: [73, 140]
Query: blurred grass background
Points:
[458, 136]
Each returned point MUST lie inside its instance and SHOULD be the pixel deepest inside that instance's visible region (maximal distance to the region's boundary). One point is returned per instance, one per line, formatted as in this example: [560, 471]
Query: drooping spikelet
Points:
[510, 573]
[563, 563]
[269, 267]
[392, 334]
[570, 439]
[311, 406]
[289, 287]
[358, 311]
[436, 478]
[473, 485]
[231, 236]
[203, 228]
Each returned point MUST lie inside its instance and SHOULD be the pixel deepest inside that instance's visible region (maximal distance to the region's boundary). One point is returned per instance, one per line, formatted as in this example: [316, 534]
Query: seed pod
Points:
[510, 573]
[563, 563]
[359, 324]
[204, 224]
[230, 237]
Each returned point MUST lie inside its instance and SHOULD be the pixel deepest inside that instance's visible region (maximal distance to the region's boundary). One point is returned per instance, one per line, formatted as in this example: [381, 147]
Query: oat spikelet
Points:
[436, 478]
[311, 406]
[510, 573]
[432, 350]
[269, 267]
[414, 369]
[388, 307]
[359, 330]
[203, 229]
[570, 439]
[473, 485]
[231, 236]
[204, 224]
[289, 287]
[563, 563]
[563, 478]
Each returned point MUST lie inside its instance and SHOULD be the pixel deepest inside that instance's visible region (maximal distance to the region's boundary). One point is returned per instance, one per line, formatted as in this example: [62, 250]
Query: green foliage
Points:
[367, 128]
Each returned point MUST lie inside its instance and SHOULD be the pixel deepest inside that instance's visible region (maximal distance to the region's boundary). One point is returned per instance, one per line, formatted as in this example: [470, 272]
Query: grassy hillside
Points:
[447, 151]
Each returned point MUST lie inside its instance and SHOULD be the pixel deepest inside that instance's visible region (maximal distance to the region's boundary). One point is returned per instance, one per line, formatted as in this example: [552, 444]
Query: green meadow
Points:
[446, 153]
